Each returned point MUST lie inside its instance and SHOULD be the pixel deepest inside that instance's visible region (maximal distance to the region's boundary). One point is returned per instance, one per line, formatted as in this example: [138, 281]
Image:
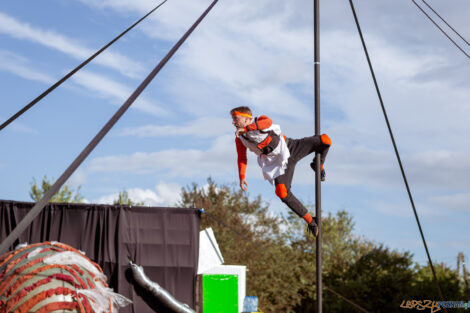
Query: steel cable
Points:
[442, 19]
[28, 219]
[396, 151]
[72, 72]
[427, 15]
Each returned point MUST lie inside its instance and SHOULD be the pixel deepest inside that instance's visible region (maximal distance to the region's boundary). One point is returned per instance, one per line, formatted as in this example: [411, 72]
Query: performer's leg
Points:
[283, 184]
[292, 202]
[299, 148]
[319, 144]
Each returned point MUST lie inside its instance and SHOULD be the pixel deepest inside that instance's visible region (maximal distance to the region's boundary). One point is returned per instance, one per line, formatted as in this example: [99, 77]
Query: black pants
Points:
[298, 148]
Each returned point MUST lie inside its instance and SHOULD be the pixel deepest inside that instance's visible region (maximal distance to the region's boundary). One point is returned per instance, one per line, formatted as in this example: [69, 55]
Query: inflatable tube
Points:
[158, 292]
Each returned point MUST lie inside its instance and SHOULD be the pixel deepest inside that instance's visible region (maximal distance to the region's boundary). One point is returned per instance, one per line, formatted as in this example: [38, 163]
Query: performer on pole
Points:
[277, 156]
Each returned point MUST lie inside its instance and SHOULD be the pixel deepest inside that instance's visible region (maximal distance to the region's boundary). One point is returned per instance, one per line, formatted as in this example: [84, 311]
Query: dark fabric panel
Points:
[165, 241]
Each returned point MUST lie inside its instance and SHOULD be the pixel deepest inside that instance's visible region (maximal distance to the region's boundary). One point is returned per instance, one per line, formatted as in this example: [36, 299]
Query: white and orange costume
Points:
[277, 156]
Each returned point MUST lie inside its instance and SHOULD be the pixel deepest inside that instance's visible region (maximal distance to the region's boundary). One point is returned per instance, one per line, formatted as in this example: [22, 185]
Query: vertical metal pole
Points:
[316, 21]
[466, 293]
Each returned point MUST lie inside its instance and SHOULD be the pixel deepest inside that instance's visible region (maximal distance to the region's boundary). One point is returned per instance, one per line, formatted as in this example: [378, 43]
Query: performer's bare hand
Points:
[240, 131]
[243, 183]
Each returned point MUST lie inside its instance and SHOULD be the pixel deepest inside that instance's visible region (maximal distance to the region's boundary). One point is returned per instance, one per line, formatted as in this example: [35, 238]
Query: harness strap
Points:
[268, 144]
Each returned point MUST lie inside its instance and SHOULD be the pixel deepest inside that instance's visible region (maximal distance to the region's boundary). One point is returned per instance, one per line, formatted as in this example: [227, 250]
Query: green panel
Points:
[220, 293]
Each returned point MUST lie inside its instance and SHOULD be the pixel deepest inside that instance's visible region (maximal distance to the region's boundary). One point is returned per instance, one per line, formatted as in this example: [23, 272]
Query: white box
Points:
[240, 271]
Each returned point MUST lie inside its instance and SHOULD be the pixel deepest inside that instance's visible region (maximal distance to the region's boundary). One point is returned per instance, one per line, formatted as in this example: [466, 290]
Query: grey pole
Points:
[316, 21]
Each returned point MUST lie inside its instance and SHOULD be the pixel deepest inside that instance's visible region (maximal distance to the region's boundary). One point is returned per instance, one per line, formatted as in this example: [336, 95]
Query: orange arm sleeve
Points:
[263, 122]
[242, 160]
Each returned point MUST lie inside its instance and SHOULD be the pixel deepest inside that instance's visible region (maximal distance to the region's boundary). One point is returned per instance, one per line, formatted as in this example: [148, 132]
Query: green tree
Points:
[340, 250]
[280, 257]
[382, 279]
[272, 265]
[123, 199]
[378, 281]
[424, 287]
[65, 194]
[278, 252]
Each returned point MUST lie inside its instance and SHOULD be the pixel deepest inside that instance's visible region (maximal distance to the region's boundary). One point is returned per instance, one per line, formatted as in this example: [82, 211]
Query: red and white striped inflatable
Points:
[54, 277]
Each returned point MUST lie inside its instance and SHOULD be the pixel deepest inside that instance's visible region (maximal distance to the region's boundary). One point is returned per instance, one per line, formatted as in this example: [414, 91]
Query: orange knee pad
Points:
[281, 191]
[325, 139]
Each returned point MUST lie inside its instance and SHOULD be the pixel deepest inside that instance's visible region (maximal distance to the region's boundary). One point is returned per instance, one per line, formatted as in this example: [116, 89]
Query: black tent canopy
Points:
[165, 241]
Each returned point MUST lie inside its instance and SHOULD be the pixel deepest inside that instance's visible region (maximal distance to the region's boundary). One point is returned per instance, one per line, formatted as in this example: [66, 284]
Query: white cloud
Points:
[77, 179]
[409, 101]
[204, 127]
[400, 207]
[251, 58]
[260, 53]
[460, 201]
[72, 47]
[345, 166]
[445, 169]
[169, 192]
[180, 14]
[20, 66]
[258, 50]
[102, 85]
[21, 127]
[374, 168]
[108, 88]
[164, 194]
[178, 162]
[252, 220]
[251, 68]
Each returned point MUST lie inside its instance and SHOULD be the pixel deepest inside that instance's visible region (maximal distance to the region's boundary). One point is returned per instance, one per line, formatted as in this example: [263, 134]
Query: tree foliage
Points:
[124, 199]
[280, 257]
[271, 262]
[65, 194]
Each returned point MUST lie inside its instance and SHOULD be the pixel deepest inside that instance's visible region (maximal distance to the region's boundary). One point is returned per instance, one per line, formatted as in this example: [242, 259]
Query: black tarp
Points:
[165, 241]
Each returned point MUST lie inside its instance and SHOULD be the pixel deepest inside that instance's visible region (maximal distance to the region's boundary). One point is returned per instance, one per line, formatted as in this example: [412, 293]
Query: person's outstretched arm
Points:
[242, 162]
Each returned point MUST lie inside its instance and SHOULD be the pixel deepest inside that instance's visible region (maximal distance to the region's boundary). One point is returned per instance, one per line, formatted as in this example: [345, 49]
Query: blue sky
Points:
[256, 53]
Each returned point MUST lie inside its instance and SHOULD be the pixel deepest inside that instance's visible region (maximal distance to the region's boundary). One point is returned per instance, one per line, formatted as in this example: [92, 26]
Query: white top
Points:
[273, 164]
